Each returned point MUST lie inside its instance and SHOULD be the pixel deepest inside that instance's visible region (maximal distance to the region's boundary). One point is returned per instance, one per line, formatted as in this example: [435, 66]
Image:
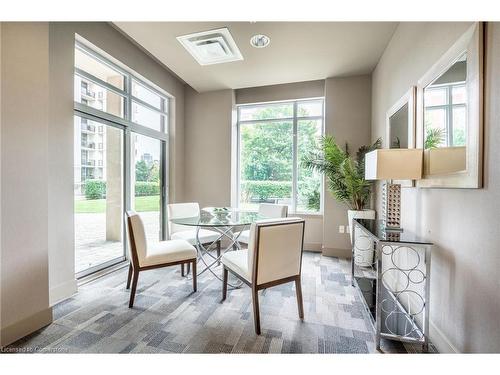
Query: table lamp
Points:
[393, 164]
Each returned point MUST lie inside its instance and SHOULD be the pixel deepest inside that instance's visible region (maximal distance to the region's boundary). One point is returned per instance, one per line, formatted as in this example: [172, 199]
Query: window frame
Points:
[126, 93]
[128, 127]
[294, 120]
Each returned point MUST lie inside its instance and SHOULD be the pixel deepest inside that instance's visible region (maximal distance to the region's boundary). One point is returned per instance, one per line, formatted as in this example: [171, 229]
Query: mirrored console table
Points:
[391, 270]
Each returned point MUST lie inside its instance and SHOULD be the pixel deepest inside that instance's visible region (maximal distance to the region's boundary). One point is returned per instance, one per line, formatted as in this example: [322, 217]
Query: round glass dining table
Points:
[228, 223]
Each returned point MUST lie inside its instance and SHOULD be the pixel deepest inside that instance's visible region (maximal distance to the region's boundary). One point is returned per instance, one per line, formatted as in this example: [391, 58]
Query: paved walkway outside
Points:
[91, 247]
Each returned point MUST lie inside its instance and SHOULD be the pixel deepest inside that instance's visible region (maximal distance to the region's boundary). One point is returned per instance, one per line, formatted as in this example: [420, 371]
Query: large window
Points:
[121, 139]
[272, 140]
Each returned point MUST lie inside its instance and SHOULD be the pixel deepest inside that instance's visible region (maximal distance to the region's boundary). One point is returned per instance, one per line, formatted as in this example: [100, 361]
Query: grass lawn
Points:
[92, 206]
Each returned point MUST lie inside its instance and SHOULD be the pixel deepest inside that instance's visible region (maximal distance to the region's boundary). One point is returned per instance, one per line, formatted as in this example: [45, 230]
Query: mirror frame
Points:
[408, 98]
[471, 43]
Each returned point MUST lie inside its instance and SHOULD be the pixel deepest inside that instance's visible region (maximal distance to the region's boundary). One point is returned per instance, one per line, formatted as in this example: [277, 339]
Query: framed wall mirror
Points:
[450, 115]
[400, 126]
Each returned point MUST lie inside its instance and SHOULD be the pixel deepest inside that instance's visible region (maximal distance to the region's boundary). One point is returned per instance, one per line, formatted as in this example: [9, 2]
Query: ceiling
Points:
[299, 51]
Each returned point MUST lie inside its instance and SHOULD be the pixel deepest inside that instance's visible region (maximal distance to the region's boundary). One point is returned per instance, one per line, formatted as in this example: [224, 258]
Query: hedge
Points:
[144, 188]
[96, 189]
[263, 190]
[267, 189]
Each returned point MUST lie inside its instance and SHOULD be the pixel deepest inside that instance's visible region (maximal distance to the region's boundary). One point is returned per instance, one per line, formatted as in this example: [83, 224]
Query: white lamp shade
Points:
[438, 161]
[394, 164]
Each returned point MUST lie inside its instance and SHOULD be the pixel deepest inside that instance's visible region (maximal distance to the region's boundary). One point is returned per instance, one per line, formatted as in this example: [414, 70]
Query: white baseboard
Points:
[25, 326]
[62, 291]
[313, 246]
[338, 253]
[440, 341]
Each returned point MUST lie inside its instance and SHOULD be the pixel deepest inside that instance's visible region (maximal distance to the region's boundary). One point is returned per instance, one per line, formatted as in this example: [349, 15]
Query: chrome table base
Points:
[211, 261]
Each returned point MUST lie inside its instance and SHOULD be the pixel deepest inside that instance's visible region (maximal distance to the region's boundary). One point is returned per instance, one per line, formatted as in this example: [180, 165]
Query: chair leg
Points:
[129, 277]
[182, 269]
[134, 288]
[224, 284]
[298, 291]
[256, 311]
[195, 283]
[188, 268]
[218, 251]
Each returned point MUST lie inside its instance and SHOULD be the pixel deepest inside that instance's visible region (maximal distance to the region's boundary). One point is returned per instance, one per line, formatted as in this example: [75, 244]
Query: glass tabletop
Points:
[377, 228]
[217, 217]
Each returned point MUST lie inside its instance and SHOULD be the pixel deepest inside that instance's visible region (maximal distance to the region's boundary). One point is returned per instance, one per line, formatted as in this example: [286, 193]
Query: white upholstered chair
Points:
[146, 256]
[269, 210]
[273, 257]
[182, 232]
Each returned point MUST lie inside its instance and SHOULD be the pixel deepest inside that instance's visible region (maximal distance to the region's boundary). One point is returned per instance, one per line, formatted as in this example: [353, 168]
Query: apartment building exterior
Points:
[90, 137]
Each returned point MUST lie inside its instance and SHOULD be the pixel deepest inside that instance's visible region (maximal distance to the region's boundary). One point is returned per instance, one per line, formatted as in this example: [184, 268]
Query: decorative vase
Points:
[363, 245]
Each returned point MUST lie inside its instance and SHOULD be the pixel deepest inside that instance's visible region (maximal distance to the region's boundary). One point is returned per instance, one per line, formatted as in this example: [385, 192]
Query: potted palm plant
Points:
[345, 177]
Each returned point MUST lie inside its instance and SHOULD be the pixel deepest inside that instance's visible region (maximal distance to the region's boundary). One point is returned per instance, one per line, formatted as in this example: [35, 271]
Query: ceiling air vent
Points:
[211, 47]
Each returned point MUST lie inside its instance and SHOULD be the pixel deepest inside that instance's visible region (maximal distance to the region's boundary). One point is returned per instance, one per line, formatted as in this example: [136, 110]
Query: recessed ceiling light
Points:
[260, 41]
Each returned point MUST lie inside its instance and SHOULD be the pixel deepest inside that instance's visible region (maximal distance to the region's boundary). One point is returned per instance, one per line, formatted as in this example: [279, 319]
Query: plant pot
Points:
[363, 249]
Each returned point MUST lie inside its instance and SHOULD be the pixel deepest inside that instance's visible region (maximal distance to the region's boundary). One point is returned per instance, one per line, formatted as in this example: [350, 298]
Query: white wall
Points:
[287, 91]
[60, 180]
[348, 114]
[24, 178]
[463, 224]
[208, 147]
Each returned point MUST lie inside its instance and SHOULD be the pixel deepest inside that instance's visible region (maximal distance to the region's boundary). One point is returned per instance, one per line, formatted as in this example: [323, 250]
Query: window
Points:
[98, 68]
[99, 203]
[446, 112]
[107, 88]
[146, 174]
[121, 148]
[272, 140]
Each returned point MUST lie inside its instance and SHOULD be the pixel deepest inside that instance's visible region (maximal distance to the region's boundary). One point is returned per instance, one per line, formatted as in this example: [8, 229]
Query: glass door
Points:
[98, 194]
[147, 183]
